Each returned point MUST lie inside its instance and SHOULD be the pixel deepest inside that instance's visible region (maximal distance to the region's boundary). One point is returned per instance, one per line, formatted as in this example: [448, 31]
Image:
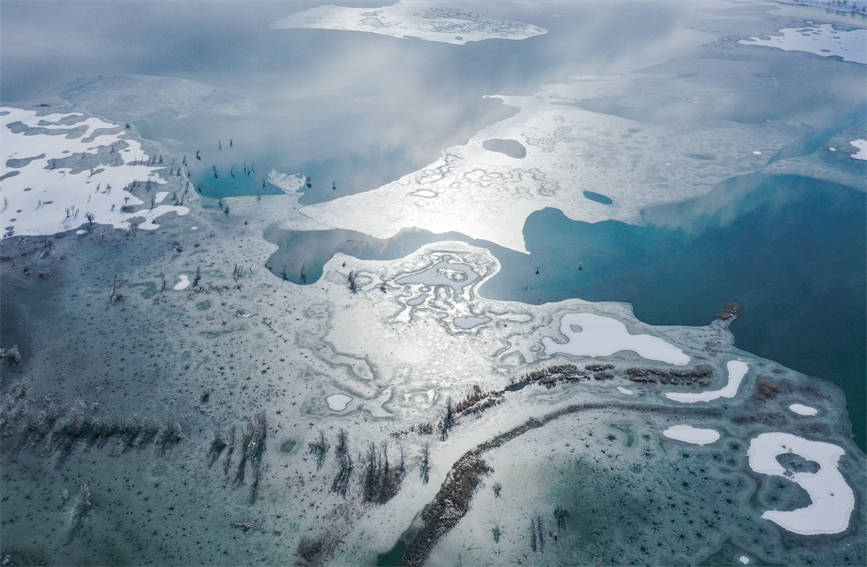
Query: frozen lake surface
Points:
[432, 284]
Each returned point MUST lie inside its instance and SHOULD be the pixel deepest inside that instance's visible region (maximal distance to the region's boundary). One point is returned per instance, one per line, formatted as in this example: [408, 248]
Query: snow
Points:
[44, 198]
[832, 498]
[737, 369]
[625, 391]
[604, 336]
[338, 402]
[821, 39]
[862, 149]
[411, 19]
[183, 283]
[158, 198]
[690, 434]
[801, 409]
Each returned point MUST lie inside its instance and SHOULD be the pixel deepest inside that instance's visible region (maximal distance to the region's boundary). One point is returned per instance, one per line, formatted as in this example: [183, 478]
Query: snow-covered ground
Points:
[737, 369]
[44, 190]
[412, 18]
[593, 335]
[819, 39]
[832, 498]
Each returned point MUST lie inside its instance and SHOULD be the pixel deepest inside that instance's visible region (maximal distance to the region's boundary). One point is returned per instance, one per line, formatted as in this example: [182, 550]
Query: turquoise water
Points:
[788, 248]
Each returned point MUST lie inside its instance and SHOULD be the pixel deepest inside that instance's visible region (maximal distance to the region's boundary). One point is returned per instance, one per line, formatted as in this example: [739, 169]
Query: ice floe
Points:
[625, 391]
[411, 18]
[737, 369]
[819, 39]
[832, 498]
[45, 191]
[861, 145]
[588, 334]
[338, 402]
[690, 434]
[801, 409]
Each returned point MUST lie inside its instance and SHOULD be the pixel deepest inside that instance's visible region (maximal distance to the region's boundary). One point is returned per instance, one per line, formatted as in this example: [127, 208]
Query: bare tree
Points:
[424, 471]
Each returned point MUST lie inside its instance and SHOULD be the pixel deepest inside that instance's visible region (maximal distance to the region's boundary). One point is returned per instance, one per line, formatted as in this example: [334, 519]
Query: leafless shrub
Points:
[344, 463]
[319, 449]
[170, 436]
[218, 444]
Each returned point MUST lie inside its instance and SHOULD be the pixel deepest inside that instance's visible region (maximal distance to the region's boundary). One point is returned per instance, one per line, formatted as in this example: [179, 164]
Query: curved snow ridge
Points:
[46, 196]
[822, 39]
[604, 336]
[832, 498]
[737, 369]
[411, 19]
[692, 435]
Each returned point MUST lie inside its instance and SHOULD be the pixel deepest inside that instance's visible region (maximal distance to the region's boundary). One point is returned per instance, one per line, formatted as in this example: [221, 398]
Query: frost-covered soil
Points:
[412, 19]
[819, 39]
[60, 171]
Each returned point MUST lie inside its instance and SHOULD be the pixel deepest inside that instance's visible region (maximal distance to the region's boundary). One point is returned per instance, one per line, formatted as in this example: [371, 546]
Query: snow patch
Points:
[801, 409]
[183, 283]
[604, 336]
[690, 434]
[338, 402]
[832, 498]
